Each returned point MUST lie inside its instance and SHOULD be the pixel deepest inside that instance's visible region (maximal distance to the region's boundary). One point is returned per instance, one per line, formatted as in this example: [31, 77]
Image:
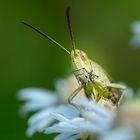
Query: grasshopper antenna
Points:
[70, 27]
[45, 35]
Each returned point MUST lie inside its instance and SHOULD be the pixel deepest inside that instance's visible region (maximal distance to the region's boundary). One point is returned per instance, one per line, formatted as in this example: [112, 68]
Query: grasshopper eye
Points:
[83, 56]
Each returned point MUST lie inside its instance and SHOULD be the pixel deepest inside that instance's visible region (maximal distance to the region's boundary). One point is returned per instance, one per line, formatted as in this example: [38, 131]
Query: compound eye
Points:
[83, 56]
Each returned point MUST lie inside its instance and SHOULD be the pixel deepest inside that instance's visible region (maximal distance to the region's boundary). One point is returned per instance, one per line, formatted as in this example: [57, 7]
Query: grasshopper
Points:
[91, 76]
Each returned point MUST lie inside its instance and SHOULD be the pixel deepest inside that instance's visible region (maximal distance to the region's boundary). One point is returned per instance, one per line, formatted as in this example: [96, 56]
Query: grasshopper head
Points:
[80, 60]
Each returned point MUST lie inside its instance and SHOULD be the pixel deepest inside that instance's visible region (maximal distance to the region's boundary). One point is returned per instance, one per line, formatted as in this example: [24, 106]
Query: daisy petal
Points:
[68, 111]
[63, 136]
[34, 94]
[36, 99]
[39, 126]
[45, 113]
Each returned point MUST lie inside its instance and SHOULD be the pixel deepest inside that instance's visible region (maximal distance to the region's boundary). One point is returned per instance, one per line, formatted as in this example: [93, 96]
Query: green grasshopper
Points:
[91, 77]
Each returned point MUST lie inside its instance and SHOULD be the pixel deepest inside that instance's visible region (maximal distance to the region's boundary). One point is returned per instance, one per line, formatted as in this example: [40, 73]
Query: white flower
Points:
[94, 122]
[135, 40]
[89, 121]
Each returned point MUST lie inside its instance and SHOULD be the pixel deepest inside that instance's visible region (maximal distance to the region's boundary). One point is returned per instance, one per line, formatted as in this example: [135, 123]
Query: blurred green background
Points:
[101, 28]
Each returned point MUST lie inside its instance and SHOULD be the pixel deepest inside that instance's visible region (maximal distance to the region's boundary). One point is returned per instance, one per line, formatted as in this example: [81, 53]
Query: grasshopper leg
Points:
[111, 86]
[116, 86]
[75, 92]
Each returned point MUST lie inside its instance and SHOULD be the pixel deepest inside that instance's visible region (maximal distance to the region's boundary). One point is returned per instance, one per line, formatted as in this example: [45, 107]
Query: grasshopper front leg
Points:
[71, 97]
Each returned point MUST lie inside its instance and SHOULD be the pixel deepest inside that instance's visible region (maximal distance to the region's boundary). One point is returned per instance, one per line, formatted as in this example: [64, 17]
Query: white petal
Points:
[43, 114]
[36, 99]
[61, 128]
[59, 117]
[74, 137]
[99, 120]
[40, 121]
[63, 136]
[39, 126]
[68, 111]
[32, 106]
[95, 129]
[90, 105]
[35, 94]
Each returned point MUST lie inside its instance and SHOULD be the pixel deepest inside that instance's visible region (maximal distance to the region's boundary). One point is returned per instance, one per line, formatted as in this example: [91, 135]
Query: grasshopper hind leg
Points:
[116, 86]
[119, 89]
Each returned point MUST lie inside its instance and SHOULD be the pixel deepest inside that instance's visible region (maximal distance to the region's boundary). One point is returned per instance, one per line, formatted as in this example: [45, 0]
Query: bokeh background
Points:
[101, 28]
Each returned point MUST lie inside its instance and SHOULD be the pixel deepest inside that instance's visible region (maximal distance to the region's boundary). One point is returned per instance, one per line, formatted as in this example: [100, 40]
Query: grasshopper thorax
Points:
[81, 65]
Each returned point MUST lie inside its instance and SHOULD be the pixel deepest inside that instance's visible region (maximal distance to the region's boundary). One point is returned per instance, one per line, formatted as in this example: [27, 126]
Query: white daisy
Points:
[94, 122]
[88, 121]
